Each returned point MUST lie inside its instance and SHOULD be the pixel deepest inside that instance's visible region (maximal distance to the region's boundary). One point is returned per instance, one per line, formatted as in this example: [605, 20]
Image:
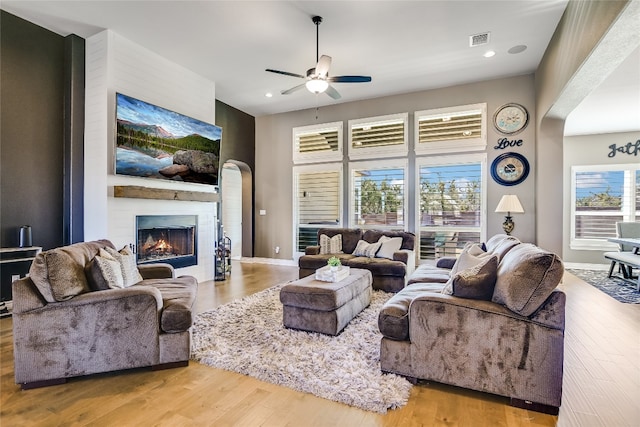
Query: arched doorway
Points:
[237, 207]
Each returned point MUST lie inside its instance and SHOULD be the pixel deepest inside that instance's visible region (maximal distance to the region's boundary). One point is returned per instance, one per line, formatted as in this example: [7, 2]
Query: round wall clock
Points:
[510, 119]
[510, 169]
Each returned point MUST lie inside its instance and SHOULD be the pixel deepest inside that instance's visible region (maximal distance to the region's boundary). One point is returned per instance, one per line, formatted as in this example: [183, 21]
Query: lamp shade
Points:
[510, 203]
[316, 85]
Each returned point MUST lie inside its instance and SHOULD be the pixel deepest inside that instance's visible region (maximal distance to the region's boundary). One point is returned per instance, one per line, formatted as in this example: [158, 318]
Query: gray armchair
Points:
[147, 324]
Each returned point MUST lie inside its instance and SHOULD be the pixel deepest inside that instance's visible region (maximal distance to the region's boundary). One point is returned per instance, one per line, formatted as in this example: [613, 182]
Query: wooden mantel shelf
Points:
[137, 192]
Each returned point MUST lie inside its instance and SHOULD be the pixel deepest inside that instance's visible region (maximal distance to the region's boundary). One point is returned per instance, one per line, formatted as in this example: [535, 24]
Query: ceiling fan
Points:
[317, 78]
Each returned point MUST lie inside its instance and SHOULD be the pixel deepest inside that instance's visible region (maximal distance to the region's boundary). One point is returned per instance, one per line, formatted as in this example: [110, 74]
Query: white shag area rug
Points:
[247, 336]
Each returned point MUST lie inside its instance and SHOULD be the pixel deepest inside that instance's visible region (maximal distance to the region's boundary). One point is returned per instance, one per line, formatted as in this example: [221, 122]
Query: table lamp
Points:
[509, 203]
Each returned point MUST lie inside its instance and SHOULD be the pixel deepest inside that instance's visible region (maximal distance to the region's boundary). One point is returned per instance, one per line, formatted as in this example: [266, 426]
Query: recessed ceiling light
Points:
[268, 94]
[517, 49]
[489, 54]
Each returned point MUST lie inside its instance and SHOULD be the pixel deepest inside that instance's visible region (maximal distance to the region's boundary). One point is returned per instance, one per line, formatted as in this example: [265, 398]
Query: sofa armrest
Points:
[312, 250]
[157, 271]
[408, 257]
[446, 262]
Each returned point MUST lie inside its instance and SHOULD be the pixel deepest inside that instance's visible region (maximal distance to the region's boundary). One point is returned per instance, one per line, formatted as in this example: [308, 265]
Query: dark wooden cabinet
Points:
[14, 264]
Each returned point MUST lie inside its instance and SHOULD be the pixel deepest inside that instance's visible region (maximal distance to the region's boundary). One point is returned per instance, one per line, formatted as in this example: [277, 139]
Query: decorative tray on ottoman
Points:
[325, 274]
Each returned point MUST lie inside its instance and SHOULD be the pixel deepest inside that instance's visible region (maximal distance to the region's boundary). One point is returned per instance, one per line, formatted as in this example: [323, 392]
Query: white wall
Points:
[115, 64]
[590, 150]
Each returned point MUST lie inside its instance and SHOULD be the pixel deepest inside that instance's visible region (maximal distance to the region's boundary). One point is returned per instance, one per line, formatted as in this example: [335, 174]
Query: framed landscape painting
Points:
[154, 142]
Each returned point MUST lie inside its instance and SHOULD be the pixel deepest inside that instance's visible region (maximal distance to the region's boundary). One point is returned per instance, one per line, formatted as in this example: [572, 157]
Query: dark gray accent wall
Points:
[238, 144]
[74, 72]
[238, 134]
[31, 135]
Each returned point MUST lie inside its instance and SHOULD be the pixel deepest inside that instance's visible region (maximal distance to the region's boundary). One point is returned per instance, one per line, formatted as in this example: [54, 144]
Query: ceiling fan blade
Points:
[293, 89]
[332, 92]
[286, 73]
[349, 79]
[322, 68]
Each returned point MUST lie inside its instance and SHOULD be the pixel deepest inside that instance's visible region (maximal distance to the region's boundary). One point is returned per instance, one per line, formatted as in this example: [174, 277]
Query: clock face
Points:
[510, 119]
[510, 169]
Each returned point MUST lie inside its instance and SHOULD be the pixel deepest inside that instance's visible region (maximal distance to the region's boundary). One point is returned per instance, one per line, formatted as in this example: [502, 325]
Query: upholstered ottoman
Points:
[325, 307]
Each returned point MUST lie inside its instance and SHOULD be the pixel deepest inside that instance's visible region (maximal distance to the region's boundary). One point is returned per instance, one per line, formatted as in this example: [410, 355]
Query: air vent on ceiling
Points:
[479, 39]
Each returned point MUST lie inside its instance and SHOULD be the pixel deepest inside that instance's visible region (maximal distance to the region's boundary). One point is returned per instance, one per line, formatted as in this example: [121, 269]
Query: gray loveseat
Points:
[389, 274]
[63, 327]
[507, 340]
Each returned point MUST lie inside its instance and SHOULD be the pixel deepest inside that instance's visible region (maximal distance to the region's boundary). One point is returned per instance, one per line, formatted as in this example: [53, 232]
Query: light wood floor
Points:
[601, 381]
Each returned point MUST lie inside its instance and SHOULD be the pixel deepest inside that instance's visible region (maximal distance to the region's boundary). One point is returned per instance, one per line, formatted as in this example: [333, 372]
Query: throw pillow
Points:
[330, 245]
[104, 272]
[526, 278]
[471, 255]
[476, 282]
[66, 276]
[127, 260]
[367, 249]
[390, 245]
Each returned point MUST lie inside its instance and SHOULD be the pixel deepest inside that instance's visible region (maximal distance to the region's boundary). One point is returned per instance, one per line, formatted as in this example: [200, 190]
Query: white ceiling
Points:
[405, 46]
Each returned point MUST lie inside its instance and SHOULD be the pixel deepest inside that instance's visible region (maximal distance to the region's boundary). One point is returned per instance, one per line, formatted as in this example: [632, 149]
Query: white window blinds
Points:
[600, 197]
[451, 129]
[317, 143]
[378, 136]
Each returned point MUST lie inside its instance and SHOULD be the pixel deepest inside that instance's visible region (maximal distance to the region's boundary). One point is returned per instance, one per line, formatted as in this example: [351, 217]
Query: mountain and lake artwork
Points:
[153, 142]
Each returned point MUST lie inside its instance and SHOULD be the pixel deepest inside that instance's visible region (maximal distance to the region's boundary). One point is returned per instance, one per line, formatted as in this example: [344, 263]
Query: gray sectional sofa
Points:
[506, 340]
[68, 321]
[389, 274]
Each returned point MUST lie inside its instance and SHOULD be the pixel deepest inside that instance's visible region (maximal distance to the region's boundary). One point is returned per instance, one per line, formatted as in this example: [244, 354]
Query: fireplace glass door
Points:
[167, 238]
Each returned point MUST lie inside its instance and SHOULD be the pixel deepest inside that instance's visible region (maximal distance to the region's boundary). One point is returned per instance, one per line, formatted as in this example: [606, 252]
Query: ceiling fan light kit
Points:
[316, 85]
[318, 77]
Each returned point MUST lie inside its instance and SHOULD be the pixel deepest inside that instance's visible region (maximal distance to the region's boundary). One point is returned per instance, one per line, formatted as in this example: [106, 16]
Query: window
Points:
[317, 143]
[383, 136]
[317, 196]
[377, 198]
[451, 203]
[453, 129]
[600, 197]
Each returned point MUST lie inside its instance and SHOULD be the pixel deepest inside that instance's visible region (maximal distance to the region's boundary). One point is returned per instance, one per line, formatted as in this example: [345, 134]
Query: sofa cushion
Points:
[330, 245]
[59, 273]
[427, 273]
[366, 249]
[104, 272]
[378, 266]
[178, 297]
[314, 262]
[393, 319]
[476, 282]
[390, 245]
[526, 277]
[128, 264]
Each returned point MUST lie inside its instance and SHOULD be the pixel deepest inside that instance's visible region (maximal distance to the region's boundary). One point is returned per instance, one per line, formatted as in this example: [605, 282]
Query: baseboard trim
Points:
[586, 266]
[273, 261]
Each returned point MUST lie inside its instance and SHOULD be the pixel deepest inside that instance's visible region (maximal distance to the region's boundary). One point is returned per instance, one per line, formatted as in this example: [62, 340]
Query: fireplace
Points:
[167, 238]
